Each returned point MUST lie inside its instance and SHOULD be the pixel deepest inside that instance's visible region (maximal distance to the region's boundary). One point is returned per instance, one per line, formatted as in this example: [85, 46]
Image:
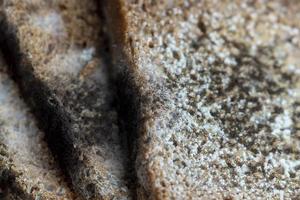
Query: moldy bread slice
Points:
[54, 49]
[216, 93]
[27, 167]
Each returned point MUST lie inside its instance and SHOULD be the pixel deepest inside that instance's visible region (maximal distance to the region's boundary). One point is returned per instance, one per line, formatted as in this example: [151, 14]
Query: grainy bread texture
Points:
[53, 48]
[27, 168]
[217, 91]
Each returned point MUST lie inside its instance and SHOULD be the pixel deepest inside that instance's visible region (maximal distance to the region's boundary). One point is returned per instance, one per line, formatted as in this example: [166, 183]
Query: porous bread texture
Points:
[62, 38]
[62, 55]
[27, 167]
[218, 90]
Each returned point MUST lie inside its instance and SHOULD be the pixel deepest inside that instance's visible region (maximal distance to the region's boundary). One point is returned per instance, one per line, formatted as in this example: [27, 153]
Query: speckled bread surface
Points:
[149, 99]
[216, 89]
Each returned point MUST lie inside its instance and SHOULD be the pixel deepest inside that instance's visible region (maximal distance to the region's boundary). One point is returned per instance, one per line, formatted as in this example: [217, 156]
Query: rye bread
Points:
[27, 167]
[215, 86]
[54, 49]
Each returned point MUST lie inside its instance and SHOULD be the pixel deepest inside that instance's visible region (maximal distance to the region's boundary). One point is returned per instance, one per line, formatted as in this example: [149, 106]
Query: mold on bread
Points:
[27, 168]
[55, 52]
[216, 91]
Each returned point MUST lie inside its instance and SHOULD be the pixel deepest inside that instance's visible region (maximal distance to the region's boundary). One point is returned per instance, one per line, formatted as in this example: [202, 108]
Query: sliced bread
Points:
[54, 49]
[27, 167]
[216, 90]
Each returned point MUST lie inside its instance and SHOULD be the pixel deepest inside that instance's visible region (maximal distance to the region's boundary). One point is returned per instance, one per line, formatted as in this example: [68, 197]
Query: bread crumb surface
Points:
[226, 73]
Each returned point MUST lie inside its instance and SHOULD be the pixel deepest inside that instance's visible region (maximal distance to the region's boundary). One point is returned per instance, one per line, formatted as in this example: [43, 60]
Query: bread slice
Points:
[216, 90]
[54, 49]
[27, 168]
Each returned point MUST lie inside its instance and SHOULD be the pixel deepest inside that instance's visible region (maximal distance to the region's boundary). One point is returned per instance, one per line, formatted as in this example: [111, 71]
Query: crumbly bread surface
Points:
[61, 71]
[27, 168]
[218, 90]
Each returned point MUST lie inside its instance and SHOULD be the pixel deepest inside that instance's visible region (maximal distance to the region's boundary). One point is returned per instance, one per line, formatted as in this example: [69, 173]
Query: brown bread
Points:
[54, 49]
[215, 86]
[27, 168]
